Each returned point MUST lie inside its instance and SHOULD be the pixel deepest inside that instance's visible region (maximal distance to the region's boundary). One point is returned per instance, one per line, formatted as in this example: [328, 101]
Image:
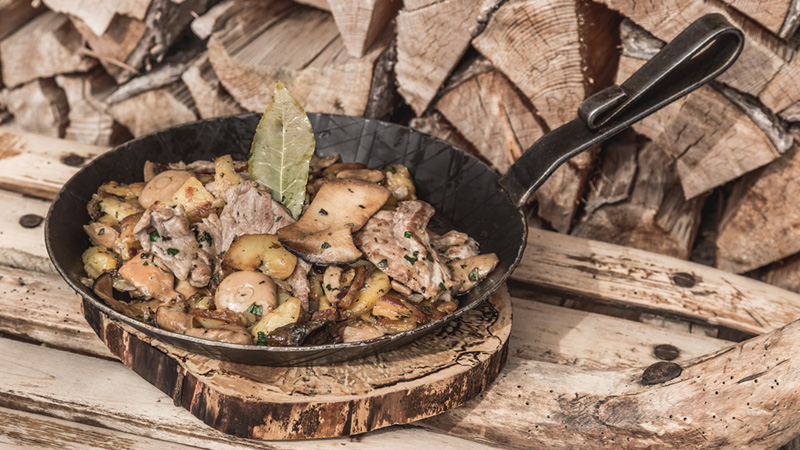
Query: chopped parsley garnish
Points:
[328, 287]
[255, 309]
[216, 276]
[101, 232]
[325, 245]
[206, 237]
[199, 299]
[323, 212]
[278, 219]
[382, 264]
[411, 259]
[145, 263]
[261, 338]
[173, 251]
[391, 169]
[473, 274]
[441, 286]
[429, 256]
[463, 266]
[408, 234]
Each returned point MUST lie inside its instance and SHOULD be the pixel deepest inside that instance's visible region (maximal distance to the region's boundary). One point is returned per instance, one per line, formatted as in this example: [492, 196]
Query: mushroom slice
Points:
[260, 251]
[173, 318]
[323, 235]
[103, 288]
[240, 290]
[149, 279]
[163, 186]
[232, 334]
[467, 272]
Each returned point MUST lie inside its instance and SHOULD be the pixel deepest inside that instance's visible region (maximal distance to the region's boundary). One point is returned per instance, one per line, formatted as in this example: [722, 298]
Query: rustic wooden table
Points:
[573, 376]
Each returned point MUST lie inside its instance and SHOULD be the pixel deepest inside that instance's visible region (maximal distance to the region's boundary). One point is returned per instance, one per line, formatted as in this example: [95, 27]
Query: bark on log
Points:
[210, 98]
[712, 139]
[490, 113]
[249, 54]
[130, 46]
[360, 22]
[421, 67]
[760, 224]
[39, 106]
[89, 120]
[156, 109]
[98, 14]
[46, 46]
[637, 201]
[556, 53]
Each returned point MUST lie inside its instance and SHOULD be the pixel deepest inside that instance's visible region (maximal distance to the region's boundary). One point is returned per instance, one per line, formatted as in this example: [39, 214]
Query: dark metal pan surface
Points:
[465, 192]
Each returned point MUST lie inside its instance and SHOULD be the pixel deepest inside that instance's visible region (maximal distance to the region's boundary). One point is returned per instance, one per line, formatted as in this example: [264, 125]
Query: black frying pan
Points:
[464, 191]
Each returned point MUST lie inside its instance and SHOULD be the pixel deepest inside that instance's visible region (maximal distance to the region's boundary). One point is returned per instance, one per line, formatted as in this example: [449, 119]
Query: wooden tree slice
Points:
[427, 377]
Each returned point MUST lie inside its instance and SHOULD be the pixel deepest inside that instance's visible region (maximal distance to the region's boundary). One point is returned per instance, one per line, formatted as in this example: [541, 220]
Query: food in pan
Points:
[285, 249]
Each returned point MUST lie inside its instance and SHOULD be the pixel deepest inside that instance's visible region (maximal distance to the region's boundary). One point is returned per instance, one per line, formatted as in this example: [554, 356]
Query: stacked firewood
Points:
[712, 177]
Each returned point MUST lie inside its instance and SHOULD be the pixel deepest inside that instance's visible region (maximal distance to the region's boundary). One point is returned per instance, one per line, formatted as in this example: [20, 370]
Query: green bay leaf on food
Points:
[282, 149]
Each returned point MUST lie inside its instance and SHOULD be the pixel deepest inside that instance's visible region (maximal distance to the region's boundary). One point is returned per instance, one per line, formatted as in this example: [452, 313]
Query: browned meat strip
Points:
[165, 231]
[298, 280]
[397, 242]
[250, 211]
[455, 245]
[209, 234]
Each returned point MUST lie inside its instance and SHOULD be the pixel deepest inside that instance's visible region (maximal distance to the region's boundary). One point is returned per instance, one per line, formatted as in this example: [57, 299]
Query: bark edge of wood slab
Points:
[433, 374]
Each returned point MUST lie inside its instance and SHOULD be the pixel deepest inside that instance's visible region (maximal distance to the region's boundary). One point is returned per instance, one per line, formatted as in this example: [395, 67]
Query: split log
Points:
[765, 69]
[130, 46]
[44, 47]
[39, 106]
[784, 274]
[422, 67]
[637, 201]
[16, 13]
[210, 98]
[89, 120]
[155, 109]
[490, 113]
[760, 223]
[712, 139]
[556, 53]
[361, 22]
[97, 14]
[436, 125]
[319, 4]
[250, 53]
[771, 15]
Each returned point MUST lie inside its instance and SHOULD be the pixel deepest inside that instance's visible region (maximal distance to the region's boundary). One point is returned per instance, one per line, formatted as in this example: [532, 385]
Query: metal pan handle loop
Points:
[701, 52]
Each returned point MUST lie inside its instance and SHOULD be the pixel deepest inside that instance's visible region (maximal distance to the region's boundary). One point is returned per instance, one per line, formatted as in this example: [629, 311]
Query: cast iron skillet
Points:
[465, 192]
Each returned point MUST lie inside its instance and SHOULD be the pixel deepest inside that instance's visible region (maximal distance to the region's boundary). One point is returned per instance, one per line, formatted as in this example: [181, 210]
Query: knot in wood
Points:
[660, 372]
[73, 160]
[30, 220]
[684, 279]
[666, 352]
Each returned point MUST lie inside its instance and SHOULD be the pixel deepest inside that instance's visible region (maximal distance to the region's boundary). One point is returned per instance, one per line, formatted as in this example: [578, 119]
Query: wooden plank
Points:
[107, 394]
[38, 165]
[361, 22]
[592, 270]
[20, 246]
[569, 337]
[97, 14]
[22, 430]
[44, 309]
[39, 106]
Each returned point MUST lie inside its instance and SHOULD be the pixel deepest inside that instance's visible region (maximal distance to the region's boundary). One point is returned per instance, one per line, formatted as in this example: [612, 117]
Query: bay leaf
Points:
[281, 151]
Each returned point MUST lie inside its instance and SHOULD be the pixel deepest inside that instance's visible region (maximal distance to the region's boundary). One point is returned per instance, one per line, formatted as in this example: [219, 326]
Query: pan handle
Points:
[701, 52]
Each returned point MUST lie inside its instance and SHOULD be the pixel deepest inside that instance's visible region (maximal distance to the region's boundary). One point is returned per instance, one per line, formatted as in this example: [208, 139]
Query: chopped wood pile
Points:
[713, 178]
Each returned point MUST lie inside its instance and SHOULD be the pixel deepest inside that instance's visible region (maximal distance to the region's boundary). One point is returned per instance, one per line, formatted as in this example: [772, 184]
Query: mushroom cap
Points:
[163, 186]
[323, 234]
[241, 289]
